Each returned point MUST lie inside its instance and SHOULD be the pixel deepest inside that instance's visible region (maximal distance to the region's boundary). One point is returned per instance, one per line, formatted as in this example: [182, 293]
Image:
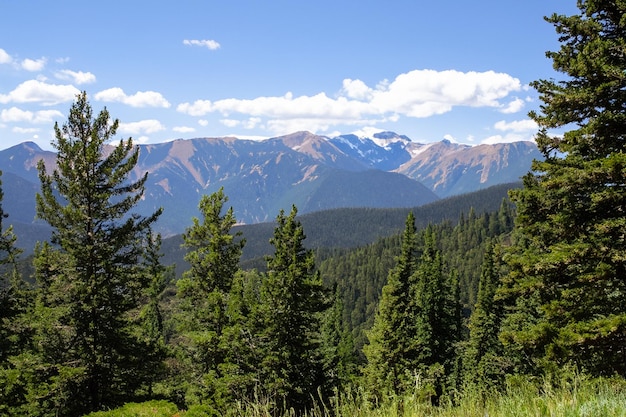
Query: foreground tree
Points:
[391, 350]
[435, 292]
[291, 300]
[91, 279]
[483, 353]
[12, 289]
[204, 289]
[567, 286]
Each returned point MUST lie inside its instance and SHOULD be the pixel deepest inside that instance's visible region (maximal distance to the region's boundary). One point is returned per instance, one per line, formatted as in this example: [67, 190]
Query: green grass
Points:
[577, 398]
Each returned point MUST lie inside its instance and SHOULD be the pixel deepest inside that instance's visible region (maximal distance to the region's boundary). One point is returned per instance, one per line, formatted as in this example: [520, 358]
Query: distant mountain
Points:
[444, 167]
[313, 172]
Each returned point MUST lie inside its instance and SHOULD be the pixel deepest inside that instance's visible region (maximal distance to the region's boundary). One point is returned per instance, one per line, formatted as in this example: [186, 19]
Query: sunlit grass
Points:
[579, 397]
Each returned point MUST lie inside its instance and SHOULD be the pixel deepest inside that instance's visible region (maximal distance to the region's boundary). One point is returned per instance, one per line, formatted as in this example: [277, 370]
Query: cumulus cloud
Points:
[230, 122]
[205, 43]
[16, 115]
[36, 91]
[183, 129]
[33, 65]
[507, 138]
[514, 106]
[141, 127]
[77, 77]
[517, 126]
[356, 89]
[514, 131]
[415, 94]
[23, 130]
[139, 99]
[5, 58]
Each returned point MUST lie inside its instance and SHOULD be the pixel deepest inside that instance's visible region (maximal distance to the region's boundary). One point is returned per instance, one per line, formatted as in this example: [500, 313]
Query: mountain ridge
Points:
[310, 171]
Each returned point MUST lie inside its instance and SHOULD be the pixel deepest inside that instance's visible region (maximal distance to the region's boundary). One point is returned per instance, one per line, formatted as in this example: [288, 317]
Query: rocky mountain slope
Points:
[313, 172]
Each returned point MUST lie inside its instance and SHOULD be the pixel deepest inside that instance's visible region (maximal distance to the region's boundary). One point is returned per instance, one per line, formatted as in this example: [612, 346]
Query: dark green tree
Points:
[567, 289]
[292, 297]
[91, 279]
[12, 288]
[151, 320]
[213, 257]
[483, 352]
[15, 301]
[340, 359]
[391, 350]
[434, 290]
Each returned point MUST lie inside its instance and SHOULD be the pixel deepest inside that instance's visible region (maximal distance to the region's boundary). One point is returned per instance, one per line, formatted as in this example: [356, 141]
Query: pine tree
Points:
[90, 279]
[214, 260]
[15, 301]
[12, 288]
[567, 286]
[291, 300]
[338, 351]
[390, 352]
[483, 362]
[437, 319]
[151, 316]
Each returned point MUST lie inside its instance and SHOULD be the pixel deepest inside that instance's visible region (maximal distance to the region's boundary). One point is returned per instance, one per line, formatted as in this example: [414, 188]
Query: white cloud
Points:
[33, 65]
[141, 140]
[197, 108]
[36, 91]
[203, 122]
[424, 93]
[183, 129]
[25, 130]
[507, 138]
[517, 126]
[365, 132]
[230, 122]
[5, 58]
[356, 89]
[514, 106]
[141, 127]
[139, 99]
[77, 77]
[15, 115]
[205, 43]
[416, 94]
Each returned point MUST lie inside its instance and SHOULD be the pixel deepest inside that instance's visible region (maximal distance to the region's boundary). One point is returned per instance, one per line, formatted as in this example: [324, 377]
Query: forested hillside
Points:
[517, 310]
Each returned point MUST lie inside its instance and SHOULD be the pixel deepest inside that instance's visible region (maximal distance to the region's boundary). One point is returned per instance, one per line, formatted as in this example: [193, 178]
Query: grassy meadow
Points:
[579, 397]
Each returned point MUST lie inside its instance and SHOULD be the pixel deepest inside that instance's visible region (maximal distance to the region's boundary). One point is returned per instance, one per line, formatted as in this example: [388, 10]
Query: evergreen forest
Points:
[512, 311]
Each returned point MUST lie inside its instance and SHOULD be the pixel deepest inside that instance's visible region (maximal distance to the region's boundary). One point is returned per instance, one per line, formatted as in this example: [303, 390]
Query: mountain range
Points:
[310, 171]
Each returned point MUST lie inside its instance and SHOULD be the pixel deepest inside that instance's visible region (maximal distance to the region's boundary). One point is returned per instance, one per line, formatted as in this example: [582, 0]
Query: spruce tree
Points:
[90, 279]
[213, 258]
[567, 289]
[292, 297]
[434, 290]
[15, 301]
[12, 288]
[390, 353]
[482, 357]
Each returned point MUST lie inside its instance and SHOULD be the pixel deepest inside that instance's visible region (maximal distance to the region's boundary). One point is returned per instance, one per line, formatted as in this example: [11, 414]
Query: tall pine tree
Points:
[391, 351]
[292, 297]
[567, 286]
[214, 260]
[91, 278]
[435, 292]
[12, 288]
[483, 363]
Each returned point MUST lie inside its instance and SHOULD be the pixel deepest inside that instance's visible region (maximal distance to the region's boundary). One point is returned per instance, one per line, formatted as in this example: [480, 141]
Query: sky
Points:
[430, 70]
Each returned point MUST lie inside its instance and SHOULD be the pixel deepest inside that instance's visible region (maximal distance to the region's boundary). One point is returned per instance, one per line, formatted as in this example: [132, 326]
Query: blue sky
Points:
[430, 70]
